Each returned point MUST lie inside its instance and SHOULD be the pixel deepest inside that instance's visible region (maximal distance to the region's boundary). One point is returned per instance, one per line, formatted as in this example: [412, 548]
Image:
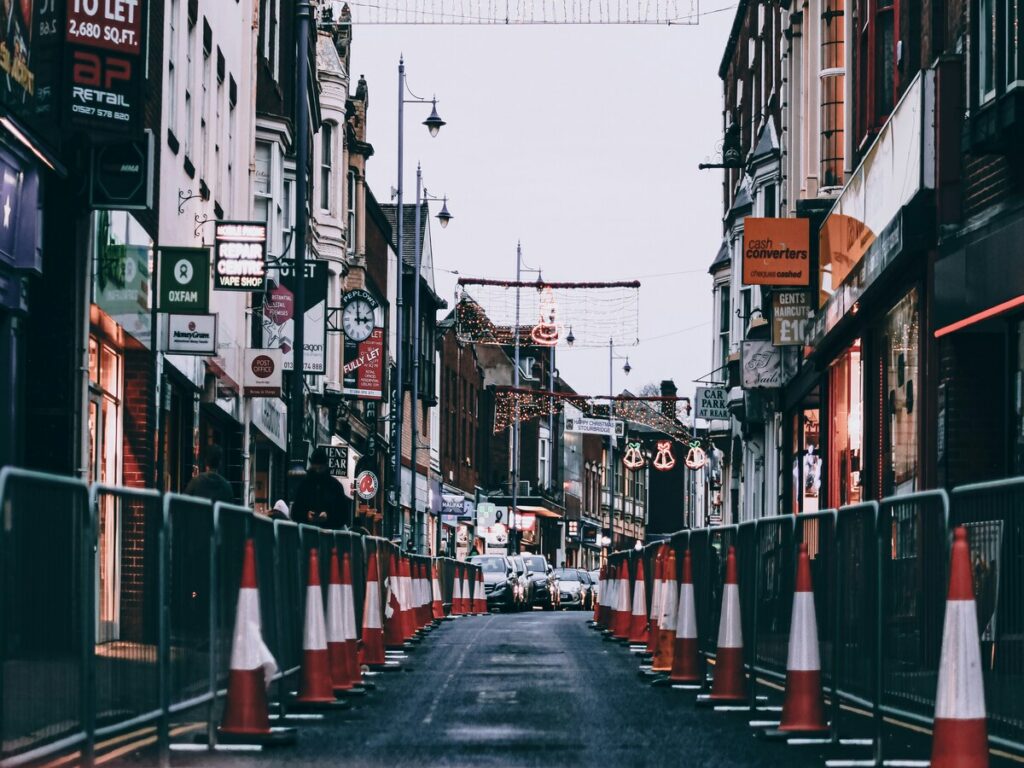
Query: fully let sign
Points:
[776, 251]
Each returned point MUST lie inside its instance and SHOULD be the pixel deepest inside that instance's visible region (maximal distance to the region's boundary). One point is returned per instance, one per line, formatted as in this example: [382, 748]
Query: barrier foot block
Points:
[278, 736]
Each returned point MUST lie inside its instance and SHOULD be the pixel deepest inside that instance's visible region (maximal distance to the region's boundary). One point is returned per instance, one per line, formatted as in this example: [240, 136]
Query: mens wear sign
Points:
[240, 258]
[192, 334]
[184, 281]
[791, 318]
[776, 251]
[262, 375]
[337, 459]
[277, 312]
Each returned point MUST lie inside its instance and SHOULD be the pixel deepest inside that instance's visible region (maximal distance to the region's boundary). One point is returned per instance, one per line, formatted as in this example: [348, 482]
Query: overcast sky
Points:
[582, 142]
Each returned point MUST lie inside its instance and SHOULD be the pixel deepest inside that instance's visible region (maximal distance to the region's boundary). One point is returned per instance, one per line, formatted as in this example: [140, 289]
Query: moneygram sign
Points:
[240, 259]
[776, 251]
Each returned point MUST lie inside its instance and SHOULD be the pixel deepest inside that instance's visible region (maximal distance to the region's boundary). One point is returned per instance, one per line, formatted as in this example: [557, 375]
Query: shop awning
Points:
[539, 511]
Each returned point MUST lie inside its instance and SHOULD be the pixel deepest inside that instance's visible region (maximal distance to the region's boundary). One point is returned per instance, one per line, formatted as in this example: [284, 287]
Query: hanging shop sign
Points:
[791, 318]
[121, 176]
[31, 43]
[270, 417]
[240, 256]
[184, 281]
[712, 403]
[277, 311]
[776, 251]
[664, 460]
[337, 459]
[192, 334]
[366, 484]
[19, 202]
[262, 375]
[104, 59]
[363, 366]
[589, 426]
[633, 458]
[760, 365]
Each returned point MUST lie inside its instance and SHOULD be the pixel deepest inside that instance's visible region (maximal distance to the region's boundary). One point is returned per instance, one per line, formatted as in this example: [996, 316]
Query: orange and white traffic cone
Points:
[596, 623]
[406, 599]
[437, 604]
[482, 592]
[394, 632]
[656, 600]
[373, 626]
[252, 667]
[457, 592]
[729, 684]
[417, 597]
[315, 686]
[608, 599]
[623, 609]
[960, 738]
[427, 599]
[664, 649]
[341, 626]
[803, 709]
[685, 656]
[638, 617]
[467, 593]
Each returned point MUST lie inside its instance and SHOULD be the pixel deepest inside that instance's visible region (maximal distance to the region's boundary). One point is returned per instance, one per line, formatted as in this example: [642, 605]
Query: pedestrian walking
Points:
[210, 484]
[320, 499]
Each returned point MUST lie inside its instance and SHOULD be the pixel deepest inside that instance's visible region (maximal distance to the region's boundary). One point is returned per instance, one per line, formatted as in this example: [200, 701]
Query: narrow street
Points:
[517, 690]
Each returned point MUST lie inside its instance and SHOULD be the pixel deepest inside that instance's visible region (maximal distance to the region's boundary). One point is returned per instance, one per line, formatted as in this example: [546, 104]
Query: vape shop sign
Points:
[240, 259]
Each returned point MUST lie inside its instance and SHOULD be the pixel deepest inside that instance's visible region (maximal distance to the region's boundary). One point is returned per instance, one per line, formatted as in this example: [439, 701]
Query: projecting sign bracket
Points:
[201, 220]
[334, 320]
[184, 195]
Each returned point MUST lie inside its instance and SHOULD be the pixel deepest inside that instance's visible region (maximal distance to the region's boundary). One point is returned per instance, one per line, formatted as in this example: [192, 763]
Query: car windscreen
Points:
[536, 563]
[563, 575]
[584, 577]
[490, 564]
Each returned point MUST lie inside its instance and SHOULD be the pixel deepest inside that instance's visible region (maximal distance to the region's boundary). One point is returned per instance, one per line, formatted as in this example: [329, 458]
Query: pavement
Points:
[525, 689]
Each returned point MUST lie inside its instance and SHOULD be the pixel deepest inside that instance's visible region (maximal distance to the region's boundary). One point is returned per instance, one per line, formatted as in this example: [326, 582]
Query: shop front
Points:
[268, 418]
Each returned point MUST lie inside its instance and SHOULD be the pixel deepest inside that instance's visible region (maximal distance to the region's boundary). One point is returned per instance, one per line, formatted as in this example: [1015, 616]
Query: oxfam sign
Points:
[184, 281]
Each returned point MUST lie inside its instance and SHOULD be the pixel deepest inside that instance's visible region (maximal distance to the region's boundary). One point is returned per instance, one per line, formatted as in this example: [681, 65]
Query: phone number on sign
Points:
[92, 31]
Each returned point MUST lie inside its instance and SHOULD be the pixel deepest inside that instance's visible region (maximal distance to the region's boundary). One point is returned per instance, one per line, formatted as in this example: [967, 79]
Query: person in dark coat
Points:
[210, 484]
[320, 499]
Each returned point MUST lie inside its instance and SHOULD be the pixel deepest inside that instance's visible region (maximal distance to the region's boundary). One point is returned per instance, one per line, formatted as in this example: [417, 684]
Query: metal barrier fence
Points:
[879, 574]
[117, 606]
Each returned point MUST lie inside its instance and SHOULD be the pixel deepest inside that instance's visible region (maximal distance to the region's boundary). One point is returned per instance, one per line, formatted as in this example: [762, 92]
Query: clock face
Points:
[357, 320]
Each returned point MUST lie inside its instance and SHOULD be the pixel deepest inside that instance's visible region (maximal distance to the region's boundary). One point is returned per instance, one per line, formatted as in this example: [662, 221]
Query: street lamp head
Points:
[627, 367]
[639, 546]
[570, 339]
[434, 122]
[444, 217]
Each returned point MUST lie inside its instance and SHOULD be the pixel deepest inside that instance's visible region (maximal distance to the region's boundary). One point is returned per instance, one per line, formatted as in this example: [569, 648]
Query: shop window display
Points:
[846, 408]
[902, 390]
[807, 461]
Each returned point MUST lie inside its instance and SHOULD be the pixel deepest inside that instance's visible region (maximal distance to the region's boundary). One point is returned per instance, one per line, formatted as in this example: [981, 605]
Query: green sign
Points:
[185, 281]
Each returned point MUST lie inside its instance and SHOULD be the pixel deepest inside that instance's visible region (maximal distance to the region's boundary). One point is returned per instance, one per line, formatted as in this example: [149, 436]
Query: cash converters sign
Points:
[776, 251]
[240, 260]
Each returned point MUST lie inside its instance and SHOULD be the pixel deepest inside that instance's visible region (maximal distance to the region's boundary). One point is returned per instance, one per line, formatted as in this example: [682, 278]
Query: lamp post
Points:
[612, 357]
[393, 526]
[444, 217]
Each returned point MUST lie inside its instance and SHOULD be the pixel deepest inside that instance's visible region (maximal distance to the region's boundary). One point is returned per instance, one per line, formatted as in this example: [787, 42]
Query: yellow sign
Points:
[776, 251]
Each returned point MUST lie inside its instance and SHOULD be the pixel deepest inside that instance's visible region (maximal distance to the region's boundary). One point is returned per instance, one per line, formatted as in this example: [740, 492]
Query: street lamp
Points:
[444, 217]
[612, 357]
[433, 123]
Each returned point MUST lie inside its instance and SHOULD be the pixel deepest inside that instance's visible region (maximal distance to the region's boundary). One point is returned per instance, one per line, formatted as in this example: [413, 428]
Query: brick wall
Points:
[987, 181]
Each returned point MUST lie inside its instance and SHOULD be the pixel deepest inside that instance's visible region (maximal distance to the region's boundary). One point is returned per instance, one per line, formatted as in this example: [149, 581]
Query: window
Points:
[543, 458]
[901, 402]
[230, 143]
[326, 161]
[986, 37]
[768, 205]
[262, 185]
[832, 82]
[351, 221]
[723, 324]
[172, 82]
[190, 75]
[270, 12]
[996, 60]
[1011, 40]
[204, 131]
[876, 24]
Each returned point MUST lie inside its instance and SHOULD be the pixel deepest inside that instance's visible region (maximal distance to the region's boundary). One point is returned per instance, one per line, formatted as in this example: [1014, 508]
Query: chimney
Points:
[668, 407]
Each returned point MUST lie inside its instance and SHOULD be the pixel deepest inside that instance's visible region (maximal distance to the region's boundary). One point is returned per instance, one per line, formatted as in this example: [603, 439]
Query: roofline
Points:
[734, 36]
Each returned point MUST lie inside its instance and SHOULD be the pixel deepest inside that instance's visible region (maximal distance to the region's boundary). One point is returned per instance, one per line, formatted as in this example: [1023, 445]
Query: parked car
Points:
[589, 589]
[499, 582]
[572, 589]
[523, 587]
[545, 592]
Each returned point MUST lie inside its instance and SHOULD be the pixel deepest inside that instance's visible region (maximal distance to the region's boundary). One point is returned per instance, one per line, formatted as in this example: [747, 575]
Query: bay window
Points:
[876, 25]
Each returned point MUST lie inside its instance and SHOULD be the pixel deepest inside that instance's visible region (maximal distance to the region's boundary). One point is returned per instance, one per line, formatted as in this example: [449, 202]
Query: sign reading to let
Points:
[776, 251]
[791, 318]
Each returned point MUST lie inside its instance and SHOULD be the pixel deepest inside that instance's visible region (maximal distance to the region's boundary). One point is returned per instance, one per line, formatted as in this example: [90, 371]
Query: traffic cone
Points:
[656, 600]
[600, 596]
[406, 599]
[394, 632]
[467, 593]
[341, 626]
[960, 738]
[685, 658]
[373, 626]
[252, 664]
[622, 620]
[483, 592]
[638, 624]
[607, 596]
[665, 647]
[417, 596]
[425, 596]
[729, 683]
[315, 685]
[457, 592]
[437, 606]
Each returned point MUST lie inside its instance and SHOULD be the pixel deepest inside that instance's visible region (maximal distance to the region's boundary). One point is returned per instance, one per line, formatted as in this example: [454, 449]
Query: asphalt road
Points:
[518, 690]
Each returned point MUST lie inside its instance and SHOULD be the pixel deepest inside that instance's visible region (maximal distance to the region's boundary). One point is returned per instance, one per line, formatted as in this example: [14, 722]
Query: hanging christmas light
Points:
[545, 333]
[664, 460]
[633, 458]
[695, 457]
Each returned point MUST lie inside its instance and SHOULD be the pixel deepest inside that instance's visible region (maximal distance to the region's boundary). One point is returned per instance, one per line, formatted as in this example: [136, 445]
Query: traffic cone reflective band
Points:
[394, 636]
[655, 612]
[600, 596]
[373, 627]
[685, 658]
[406, 599]
[959, 737]
[665, 647]
[482, 592]
[729, 684]
[638, 617]
[608, 597]
[315, 678]
[252, 664]
[456, 593]
[437, 606]
[803, 709]
[341, 626]
[622, 617]
[426, 597]
[467, 594]
[417, 590]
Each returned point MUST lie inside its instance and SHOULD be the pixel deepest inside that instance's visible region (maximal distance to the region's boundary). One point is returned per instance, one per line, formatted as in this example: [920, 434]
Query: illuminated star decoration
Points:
[664, 460]
[633, 458]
